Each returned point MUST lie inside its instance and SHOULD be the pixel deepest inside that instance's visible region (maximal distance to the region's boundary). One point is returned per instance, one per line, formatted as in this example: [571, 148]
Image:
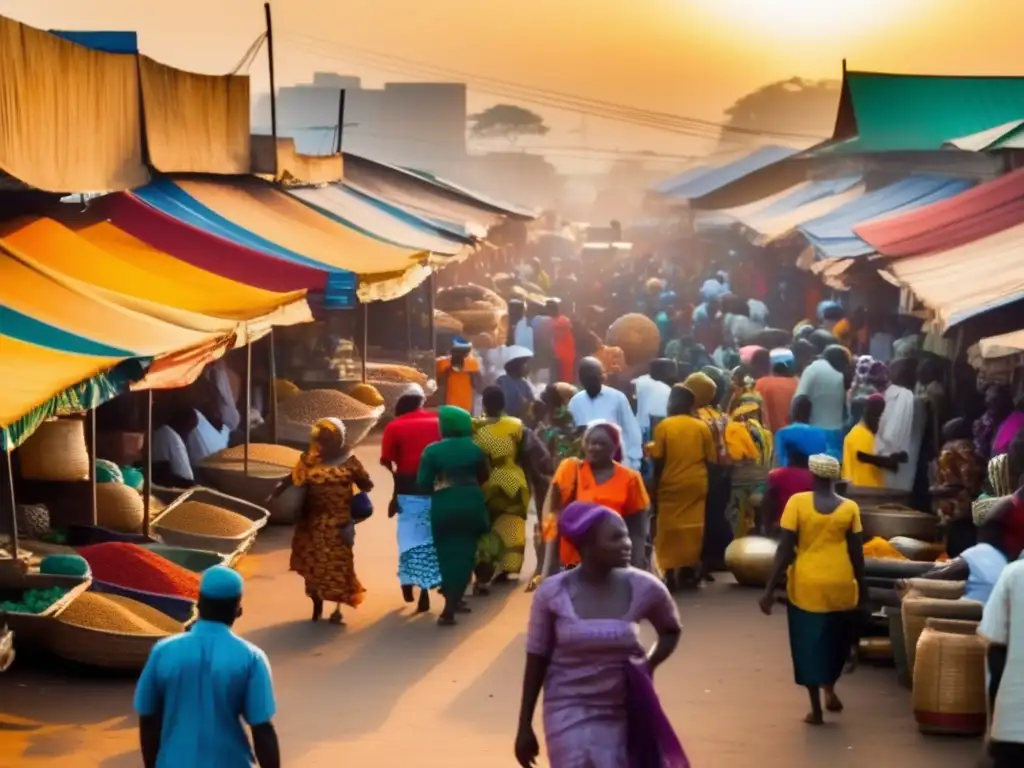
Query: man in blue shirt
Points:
[198, 687]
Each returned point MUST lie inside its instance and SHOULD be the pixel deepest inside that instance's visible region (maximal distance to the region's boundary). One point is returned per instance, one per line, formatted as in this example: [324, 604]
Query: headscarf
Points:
[609, 428]
[717, 375]
[783, 356]
[579, 518]
[999, 475]
[413, 389]
[311, 457]
[667, 300]
[454, 422]
[823, 465]
[460, 343]
[703, 388]
[566, 391]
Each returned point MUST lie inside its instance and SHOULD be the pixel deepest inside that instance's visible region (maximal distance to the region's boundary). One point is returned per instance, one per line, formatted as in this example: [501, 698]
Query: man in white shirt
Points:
[598, 402]
[1003, 627]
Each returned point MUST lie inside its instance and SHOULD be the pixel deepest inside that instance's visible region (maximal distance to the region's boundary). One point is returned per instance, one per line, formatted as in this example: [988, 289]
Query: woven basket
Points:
[982, 508]
[296, 434]
[56, 451]
[33, 627]
[939, 590]
[98, 648]
[949, 679]
[119, 508]
[225, 545]
[918, 610]
[476, 321]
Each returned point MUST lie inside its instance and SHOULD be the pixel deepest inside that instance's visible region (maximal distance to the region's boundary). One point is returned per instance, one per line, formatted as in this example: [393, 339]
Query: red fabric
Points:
[564, 344]
[406, 437]
[207, 251]
[787, 482]
[1013, 527]
[958, 220]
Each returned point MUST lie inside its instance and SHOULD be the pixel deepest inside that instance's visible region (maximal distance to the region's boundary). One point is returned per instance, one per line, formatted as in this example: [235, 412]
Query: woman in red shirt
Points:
[412, 430]
[784, 483]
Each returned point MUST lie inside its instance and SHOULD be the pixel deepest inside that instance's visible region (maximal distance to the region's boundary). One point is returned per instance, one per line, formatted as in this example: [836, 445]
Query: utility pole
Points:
[273, 89]
[341, 119]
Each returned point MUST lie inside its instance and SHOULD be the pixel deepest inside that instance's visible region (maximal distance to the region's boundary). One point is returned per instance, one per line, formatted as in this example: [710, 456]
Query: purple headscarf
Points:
[578, 518]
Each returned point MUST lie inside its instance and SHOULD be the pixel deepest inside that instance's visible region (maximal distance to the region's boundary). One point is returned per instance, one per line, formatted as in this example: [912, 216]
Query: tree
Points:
[508, 121]
[784, 110]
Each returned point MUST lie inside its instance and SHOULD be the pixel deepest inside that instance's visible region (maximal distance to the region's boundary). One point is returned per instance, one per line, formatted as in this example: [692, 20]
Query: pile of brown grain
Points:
[265, 460]
[114, 613]
[206, 520]
[315, 404]
[395, 374]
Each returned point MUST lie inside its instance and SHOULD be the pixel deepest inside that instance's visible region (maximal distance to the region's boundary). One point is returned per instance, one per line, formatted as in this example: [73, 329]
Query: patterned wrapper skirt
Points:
[820, 644]
[417, 557]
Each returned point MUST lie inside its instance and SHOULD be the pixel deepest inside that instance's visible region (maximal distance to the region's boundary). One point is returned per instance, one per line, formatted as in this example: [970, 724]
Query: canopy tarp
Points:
[666, 186]
[283, 161]
[428, 197]
[765, 227]
[882, 112]
[958, 220]
[195, 123]
[125, 264]
[203, 249]
[717, 178]
[968, 280]
[278, 217]
[380, 220]
[832, 235]
[69, 115]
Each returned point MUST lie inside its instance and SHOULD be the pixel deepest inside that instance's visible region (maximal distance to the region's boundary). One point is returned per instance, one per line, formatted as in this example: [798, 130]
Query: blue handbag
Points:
[362, 507]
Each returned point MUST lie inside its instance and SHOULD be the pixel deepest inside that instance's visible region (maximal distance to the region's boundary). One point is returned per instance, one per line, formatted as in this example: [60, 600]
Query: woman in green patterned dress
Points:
[452, 472]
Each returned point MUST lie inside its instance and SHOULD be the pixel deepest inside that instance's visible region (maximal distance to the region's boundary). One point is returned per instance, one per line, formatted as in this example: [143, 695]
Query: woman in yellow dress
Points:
[710, 387]
[325, 532]
[506, 491]
[751, 448]
[682, 450]
[821, 551]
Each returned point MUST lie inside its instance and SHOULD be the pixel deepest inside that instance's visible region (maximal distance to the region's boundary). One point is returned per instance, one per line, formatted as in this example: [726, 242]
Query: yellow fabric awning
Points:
[125, 264]
[280, 218]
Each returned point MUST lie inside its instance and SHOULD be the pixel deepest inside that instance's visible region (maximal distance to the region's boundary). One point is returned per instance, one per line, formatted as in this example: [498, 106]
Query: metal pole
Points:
[341, 118]
[272, 406]
[366, 337]
[408, 326]
[430, 310]
[147, 464]
[273, 89]
[248, 405]
[14, 508]
[91, 441]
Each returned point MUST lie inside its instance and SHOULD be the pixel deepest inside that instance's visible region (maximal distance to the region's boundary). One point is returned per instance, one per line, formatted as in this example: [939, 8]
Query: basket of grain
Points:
[467, 296]
[56, 451]
[109, 631]
[298, 414]
[30, 626]
[119, 508]
[636, 335]
[268, 466]
[475, 321]
[205, 519]
[181, 609]
[445, 322]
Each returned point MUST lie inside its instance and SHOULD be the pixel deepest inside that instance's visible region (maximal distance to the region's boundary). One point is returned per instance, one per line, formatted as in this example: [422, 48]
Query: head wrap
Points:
[454, 422]
[565, 391]
[413, 390]
[827, 306]
[614, 434]
[747, 353]
[823, 465]
[221, 583]
[703, 388]
[516, 353]
[999, 475]
[310, 458]
[838, 356]
[460, 343]
[722, 388]
[783, 356]
[861, 369]
[878, 375]
[579, 518]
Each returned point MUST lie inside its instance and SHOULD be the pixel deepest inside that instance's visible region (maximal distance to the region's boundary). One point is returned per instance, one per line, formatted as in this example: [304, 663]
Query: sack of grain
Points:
[637, 336]
[55, 451]
[283, 389]
[476, 321]
[33, 521]
[366, 394]
[462, 296]
[119, 508]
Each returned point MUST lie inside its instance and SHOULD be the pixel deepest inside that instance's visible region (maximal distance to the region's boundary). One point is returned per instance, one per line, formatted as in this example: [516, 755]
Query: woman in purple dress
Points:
[600, 708]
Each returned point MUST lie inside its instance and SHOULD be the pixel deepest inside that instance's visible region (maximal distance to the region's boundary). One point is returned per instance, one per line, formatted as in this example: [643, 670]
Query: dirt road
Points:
[392, 689]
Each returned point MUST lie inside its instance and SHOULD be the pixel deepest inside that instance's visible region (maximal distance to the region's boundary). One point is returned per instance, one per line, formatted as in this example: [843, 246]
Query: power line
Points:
[654, 119]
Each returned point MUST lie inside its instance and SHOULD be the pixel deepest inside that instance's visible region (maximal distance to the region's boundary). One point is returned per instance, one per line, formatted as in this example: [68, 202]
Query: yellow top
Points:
[686, 446]
[856, 471]
[821, 578]
[740, 443]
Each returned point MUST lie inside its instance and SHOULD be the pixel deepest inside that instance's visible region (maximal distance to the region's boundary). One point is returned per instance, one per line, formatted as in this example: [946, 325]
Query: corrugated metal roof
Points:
[666, 186]
[716, 178]
[887, 112]
[1006, 136]
[766, 226]
[963, 218]
[969, 280]
[832, 235]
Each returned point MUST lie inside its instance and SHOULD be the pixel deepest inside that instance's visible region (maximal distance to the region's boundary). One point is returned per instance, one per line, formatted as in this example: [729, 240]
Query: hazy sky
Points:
[688, 57]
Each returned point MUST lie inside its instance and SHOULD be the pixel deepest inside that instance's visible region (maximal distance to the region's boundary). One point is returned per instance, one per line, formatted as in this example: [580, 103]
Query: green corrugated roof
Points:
[922, 112]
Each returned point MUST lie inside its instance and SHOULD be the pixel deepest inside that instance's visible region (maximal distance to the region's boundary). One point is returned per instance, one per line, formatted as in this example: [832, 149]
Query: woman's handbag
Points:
[362, 507]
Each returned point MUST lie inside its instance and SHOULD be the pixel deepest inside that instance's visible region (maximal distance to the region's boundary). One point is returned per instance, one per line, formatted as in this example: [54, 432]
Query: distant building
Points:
[412, 124]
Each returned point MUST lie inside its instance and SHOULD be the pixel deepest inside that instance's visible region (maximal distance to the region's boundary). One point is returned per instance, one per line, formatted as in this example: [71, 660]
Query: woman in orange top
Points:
[601, 479]
[458, 376]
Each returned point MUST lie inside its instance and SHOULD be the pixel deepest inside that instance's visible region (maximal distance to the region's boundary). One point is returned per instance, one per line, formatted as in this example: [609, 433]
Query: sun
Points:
[806, 19]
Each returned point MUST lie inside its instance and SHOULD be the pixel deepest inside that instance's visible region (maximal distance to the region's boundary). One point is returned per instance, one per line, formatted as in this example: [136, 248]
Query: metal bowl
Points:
[751, 560]
[890, 523]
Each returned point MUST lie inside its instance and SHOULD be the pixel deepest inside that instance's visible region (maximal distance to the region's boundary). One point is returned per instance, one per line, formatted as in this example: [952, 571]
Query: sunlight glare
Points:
[806, 19]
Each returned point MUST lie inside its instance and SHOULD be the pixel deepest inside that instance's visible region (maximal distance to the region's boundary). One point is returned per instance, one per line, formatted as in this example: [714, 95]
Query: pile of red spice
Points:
[132, 566]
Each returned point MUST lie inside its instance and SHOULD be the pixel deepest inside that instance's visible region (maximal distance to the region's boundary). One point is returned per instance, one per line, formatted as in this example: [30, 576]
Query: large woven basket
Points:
[476, 321]
[949, 679]
[99, 648]
[34, 627]
[119, 508]
[918, 610]
[934, 588]
[225, 545]
[982, 508]
[296, 434]
[56, 451]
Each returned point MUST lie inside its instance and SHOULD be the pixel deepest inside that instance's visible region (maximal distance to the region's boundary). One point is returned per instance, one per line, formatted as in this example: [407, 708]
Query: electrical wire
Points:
[497, 86]
[250, 54]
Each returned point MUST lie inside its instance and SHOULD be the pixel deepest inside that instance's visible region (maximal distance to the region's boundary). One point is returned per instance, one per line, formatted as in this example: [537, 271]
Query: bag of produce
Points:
[637, 336]
[108, 472]
[64, 565]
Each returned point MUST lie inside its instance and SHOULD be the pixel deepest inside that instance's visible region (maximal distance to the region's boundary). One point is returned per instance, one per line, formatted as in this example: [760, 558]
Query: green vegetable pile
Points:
[34, 600]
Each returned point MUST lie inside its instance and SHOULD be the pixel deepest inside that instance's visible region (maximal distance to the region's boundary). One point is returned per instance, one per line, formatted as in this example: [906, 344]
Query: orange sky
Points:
[689, 57]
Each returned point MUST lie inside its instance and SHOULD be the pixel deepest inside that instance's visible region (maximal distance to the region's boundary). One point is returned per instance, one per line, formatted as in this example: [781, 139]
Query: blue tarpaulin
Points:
[832, 235]
[666, 186]
[716, 178]
[108, 42]
[809, 193]
[170, 199]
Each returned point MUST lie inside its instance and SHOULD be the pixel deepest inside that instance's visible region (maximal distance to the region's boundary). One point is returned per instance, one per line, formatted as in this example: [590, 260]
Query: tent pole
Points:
[248, 404]
[147, 464]
[366, 337]
[14, 507]
[430, 311]
[272, 405]
[91, 441]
